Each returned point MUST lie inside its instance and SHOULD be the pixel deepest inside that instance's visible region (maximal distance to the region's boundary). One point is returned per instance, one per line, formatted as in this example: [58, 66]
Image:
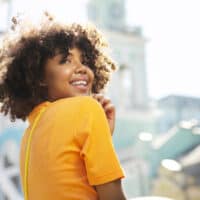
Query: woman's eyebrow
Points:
[66, 55]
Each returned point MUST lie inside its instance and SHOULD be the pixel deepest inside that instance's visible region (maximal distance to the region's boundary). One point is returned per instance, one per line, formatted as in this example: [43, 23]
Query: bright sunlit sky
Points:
[172, 28]
[173, 52]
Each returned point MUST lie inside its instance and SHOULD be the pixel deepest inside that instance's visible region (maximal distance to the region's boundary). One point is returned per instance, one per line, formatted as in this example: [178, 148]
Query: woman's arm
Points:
[101, 162]
[111, 191]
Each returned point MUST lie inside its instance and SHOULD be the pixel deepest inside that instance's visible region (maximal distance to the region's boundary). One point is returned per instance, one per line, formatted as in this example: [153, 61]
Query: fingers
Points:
[101, 99]
[109, 109]
[106, 104]
[98, 97]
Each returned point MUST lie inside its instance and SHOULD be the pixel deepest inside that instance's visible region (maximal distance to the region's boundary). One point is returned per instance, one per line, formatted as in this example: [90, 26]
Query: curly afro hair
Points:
[27, 47]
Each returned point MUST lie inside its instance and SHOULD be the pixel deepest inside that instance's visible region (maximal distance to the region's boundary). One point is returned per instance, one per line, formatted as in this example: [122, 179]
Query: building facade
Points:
[176, 108]
[128, 88]
[128, 91]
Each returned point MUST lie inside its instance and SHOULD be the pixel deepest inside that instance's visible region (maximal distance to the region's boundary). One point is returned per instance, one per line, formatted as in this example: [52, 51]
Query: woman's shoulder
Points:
[79, 101]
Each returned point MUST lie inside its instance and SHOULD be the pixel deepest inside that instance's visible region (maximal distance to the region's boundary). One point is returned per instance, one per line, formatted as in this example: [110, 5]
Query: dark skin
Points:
[72, 78]
[111, 191]
[109, 109]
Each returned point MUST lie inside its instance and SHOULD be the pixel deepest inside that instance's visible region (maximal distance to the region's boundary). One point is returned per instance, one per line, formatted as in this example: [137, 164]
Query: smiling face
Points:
[68, 77]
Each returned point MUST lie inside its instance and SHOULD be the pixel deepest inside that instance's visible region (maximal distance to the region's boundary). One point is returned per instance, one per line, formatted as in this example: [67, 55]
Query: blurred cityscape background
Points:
[155, 91]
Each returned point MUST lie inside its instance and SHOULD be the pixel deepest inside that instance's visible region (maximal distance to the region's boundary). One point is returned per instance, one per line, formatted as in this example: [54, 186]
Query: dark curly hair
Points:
[25, 50]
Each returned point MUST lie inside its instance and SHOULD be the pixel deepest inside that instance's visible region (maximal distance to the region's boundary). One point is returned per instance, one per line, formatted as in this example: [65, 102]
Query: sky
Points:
[172, 30]
[172, 53]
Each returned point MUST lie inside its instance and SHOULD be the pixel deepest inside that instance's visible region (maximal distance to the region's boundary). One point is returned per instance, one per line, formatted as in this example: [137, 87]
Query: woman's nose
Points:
[80, 68]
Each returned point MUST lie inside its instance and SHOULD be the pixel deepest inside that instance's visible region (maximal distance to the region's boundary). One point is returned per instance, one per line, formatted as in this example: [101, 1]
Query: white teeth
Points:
[79, 83]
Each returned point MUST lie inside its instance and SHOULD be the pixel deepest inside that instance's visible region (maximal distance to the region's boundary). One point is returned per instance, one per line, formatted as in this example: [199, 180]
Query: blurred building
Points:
[176, 108]
[108, 14]
[191, 170]
[128, 91]
[180, 144]
[176, 116]
[179, 123]
[10, 185]
[128, 88]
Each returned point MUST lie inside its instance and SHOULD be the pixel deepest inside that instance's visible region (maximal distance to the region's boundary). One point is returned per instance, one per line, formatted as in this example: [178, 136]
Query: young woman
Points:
[52, 74]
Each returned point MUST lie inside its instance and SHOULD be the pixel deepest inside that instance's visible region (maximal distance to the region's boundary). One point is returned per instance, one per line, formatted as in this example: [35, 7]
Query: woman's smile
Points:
[79, 77]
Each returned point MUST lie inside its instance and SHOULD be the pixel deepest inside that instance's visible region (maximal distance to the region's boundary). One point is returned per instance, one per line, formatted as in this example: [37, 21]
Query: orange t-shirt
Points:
[71, 150]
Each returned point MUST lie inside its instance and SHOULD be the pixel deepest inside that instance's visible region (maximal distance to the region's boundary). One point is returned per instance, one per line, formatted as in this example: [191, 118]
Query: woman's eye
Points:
[65, 61]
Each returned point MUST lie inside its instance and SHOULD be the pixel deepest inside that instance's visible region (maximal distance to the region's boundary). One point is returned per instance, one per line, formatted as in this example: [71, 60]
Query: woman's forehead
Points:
[72, 52]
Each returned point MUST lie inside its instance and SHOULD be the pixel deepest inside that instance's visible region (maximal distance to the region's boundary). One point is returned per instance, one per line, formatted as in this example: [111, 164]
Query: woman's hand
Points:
[108, 108]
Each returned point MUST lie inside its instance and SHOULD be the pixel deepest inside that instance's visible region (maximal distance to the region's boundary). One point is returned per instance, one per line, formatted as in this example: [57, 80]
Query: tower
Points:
[128, 50]
[108, 14]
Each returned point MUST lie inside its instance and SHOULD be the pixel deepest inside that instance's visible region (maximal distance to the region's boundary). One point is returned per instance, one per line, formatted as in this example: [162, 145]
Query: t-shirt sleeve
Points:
[102, 164]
